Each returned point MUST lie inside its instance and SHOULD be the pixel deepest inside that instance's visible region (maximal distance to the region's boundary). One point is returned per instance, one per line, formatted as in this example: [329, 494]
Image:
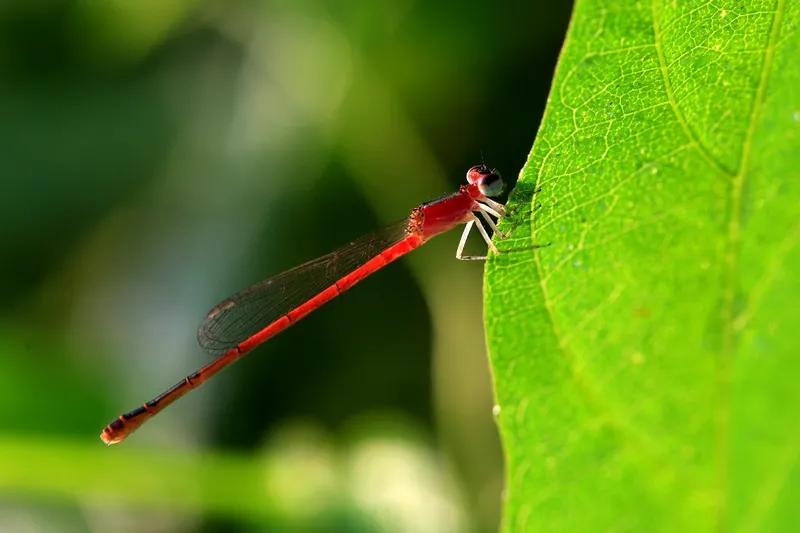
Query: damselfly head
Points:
[487, 179]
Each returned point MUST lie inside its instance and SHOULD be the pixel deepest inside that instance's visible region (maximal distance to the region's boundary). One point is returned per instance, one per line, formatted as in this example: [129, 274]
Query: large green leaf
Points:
[646, 361]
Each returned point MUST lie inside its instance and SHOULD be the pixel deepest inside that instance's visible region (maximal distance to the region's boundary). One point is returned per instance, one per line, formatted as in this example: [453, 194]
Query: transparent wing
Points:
[239, 317]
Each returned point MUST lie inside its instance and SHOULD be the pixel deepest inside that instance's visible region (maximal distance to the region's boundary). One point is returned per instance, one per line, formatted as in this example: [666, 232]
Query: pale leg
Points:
[491, 223]
[497, 206]
[485, 235]
[460, 250]
[489, 210]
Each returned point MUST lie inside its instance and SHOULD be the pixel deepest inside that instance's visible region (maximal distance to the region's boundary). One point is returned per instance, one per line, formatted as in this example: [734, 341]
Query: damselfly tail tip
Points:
[111, 434]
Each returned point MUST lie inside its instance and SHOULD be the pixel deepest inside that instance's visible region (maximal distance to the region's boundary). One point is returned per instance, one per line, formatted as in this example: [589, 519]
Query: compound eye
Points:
[491, 185]
[477, 173]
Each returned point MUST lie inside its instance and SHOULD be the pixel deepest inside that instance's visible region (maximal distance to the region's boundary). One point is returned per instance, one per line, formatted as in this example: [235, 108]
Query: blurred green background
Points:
[160, 155]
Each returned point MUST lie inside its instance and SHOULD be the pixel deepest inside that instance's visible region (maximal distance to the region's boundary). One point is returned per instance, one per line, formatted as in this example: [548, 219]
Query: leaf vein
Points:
[690, 134]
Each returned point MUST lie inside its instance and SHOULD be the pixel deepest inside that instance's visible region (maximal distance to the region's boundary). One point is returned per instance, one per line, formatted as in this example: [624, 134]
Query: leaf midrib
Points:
[733, 256]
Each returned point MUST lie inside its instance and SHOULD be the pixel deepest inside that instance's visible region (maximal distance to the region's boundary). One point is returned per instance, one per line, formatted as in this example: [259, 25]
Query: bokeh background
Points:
[159, 155]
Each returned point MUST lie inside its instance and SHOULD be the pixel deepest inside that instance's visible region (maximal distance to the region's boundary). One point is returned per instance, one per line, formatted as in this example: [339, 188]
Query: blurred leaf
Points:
[646, 360]
[46, 388]
[63, 470]
[300, 481]
[112, 32]
[254, 488]
[72, 153]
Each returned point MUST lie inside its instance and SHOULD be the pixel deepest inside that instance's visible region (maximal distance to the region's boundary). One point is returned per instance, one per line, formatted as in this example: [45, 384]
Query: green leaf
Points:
[646, 358]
